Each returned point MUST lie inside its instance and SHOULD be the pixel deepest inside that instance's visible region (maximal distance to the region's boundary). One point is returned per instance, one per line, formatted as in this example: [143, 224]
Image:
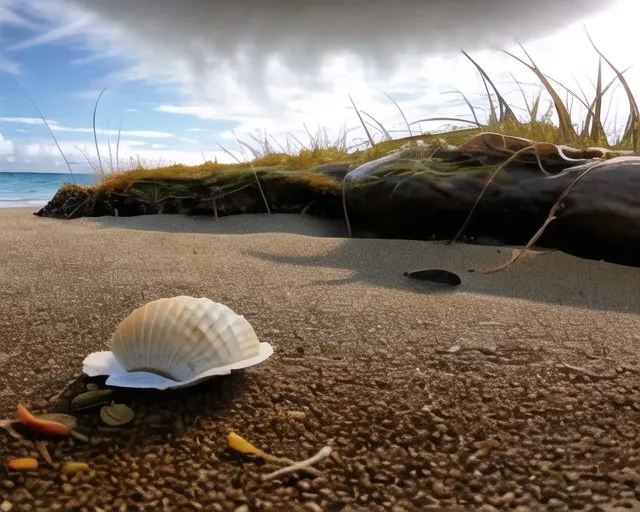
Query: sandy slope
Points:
[358, 350]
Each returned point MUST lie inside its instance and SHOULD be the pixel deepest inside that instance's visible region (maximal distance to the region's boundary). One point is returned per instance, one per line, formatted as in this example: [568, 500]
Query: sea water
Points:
[35, 188]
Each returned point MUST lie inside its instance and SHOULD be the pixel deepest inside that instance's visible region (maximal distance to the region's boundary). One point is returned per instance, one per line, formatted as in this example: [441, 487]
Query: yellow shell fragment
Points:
[23, 464]
[116, 415]
[238, 444]
[74, 467]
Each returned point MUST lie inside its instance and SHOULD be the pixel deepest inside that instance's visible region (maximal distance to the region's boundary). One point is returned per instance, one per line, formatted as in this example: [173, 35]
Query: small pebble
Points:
[296, 415]
[555, 503]
[6, 506]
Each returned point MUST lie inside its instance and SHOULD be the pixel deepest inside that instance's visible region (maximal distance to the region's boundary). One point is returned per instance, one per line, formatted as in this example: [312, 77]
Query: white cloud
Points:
[43, 155]
[53, 35]
[56, 127]
[187, 140]
[6, 146]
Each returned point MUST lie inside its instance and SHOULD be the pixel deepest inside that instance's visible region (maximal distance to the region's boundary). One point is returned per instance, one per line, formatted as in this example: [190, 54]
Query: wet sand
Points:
[539, 407]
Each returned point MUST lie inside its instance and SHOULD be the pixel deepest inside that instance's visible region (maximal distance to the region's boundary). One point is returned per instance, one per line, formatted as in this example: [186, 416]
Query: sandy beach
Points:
[537, 405]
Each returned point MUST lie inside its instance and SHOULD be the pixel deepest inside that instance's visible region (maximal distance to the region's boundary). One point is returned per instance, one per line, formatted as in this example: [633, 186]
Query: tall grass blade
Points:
[54, 139]
[86, 157]
[118, 145]
[384, 131]
[366, 130]
[401, 113]
[95, 135]
[466, 100]
[506, 114]
[564, 119]
[633, 124]
[535, 106]
[596, 127]
[109, 146]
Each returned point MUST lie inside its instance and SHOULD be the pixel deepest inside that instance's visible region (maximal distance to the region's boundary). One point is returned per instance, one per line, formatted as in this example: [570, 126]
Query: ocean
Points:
[35, 188]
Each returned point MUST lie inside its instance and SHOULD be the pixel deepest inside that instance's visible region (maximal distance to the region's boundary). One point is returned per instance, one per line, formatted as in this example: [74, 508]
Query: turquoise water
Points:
[35, 188]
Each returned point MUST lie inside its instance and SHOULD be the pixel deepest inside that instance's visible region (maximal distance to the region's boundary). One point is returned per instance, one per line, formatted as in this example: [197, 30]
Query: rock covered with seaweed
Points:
[490, 187]
[504, 188]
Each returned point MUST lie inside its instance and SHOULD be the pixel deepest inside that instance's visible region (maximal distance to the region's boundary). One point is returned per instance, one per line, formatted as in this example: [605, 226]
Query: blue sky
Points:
[177, 103]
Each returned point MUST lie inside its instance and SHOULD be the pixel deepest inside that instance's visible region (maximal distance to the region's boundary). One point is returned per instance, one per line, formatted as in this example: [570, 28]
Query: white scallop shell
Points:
[182, 337]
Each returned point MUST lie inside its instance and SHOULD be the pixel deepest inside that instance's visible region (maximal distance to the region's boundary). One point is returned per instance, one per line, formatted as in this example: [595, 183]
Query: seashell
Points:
[116, 415]
[181, 337]
[65, 419]
[90, 399]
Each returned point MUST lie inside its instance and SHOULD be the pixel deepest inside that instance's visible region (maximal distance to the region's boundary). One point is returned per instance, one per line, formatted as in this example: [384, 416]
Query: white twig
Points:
[303, 464]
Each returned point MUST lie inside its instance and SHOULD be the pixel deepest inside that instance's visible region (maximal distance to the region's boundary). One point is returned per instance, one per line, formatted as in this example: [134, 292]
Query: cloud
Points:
[232, 44]
[53, 35]
[6, 146]
[42, 155]
[59, 128]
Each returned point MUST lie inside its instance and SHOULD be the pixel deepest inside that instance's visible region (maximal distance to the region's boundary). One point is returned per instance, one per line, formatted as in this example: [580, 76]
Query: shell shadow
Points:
[157, 413]
[550, 277]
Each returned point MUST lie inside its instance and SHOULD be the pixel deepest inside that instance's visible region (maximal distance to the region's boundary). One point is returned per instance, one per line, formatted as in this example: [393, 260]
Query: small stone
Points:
[296, 415]
[312, 507]
[555, 503]
[572, 476]
[67, 488]
[242, 508]
[439, 489]
[8, 484]
[619, 399]
[6, 506]
[304, 485]
[508, 498]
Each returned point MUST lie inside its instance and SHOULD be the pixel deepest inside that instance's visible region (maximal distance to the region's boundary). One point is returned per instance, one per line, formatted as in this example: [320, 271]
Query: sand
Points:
[536, 406]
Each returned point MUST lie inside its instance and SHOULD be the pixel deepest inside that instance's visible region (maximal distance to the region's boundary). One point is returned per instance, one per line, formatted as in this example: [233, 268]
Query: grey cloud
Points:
[209, 36]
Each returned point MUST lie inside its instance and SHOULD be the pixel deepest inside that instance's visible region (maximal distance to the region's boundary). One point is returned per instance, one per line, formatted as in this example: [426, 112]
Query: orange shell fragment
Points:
[41, 426]
[23, 464]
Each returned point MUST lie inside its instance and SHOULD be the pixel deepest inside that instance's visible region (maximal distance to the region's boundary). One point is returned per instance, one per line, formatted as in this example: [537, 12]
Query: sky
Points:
[185, 81]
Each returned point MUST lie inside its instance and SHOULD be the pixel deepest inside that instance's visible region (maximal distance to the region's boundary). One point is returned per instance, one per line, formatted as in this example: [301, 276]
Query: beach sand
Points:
[539, 407]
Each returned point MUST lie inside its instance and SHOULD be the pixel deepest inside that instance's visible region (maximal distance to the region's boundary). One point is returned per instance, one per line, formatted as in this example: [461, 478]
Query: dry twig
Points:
[302, 465]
